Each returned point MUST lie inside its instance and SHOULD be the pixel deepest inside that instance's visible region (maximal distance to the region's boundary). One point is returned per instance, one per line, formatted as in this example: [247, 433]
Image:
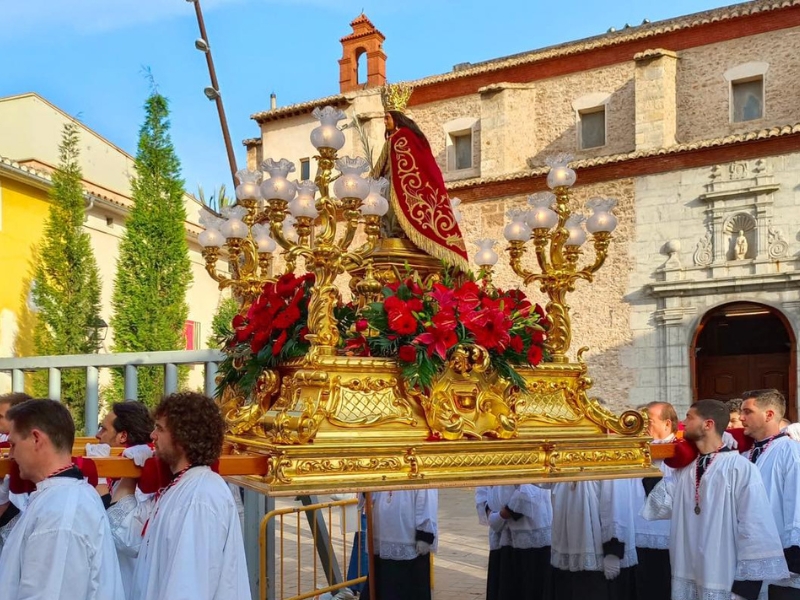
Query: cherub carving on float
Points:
[419, 206]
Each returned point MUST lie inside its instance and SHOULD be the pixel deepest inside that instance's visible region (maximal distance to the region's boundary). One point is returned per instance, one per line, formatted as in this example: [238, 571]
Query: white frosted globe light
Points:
[265, 244]
[327, 136]
[486, 257]
[560, 176]
[209, 238]
[517, 231]
[289, 231]
[601, 222]
[577, 236]
[278, 188]
[248, 190]
[234, 228]
[350, 185]
[303, 206]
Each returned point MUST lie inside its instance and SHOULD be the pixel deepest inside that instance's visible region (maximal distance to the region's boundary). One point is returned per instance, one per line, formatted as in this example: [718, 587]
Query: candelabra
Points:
[303, 220]
[557, 236]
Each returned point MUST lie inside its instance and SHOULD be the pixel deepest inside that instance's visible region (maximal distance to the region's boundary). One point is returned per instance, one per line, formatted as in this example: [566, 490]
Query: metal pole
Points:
[54, 384]
[371, 582]
[215, 84]
[91, 410]
[322, 541]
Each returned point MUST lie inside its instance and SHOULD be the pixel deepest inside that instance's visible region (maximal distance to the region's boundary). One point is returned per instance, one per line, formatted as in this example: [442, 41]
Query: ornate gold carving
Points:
[347, 465]
[243, 416]
[368, 401]
[467, 399]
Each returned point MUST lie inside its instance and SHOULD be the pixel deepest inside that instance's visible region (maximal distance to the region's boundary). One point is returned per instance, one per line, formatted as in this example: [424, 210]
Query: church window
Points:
[748, 99]
[592, 127]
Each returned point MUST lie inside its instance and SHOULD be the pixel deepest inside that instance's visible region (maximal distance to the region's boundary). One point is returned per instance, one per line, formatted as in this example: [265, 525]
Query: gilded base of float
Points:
[348, 424]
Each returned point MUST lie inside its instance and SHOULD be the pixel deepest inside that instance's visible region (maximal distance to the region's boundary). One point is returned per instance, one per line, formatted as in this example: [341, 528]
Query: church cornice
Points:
[753, 144]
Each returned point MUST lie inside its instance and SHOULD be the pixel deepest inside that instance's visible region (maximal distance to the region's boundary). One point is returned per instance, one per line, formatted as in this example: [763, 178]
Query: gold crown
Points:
[395, 96]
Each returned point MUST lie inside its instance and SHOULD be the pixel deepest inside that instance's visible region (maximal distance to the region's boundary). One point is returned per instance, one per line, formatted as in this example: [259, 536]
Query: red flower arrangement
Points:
[272, 331]
[420, 325]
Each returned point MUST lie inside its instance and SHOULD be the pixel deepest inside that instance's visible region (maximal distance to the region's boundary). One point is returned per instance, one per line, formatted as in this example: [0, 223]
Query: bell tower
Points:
[365, 39]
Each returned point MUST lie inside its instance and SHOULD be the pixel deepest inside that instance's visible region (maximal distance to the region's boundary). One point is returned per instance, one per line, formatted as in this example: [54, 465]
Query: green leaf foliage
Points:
[66, 281]
[153, 269]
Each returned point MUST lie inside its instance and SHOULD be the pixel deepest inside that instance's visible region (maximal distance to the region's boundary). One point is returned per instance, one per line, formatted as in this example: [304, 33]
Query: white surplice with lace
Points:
[779, 466]
[733, 538]
[61, 547]
[192, 547]
[397, 515]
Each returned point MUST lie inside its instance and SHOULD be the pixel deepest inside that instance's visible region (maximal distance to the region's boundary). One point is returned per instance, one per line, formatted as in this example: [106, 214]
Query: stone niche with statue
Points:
[430, 376]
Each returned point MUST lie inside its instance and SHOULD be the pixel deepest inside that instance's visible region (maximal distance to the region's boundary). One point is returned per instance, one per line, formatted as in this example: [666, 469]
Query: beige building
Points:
[30, 133]
[692, 124]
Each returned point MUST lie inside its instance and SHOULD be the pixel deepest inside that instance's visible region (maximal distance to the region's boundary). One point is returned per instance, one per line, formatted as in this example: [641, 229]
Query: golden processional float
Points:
[426, 377]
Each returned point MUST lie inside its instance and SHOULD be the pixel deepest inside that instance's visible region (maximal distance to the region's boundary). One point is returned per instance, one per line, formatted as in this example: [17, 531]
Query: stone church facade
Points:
[692, 124]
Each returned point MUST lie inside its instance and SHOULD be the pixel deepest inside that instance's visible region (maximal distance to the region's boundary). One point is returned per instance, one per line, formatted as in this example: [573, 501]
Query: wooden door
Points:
[726, 377]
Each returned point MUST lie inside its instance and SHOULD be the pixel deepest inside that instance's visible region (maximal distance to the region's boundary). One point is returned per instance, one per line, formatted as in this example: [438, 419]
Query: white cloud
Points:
[87, 16]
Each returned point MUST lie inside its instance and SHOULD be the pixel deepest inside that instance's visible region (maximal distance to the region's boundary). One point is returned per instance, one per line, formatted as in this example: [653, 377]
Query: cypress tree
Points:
[153, 269]
[66, 281]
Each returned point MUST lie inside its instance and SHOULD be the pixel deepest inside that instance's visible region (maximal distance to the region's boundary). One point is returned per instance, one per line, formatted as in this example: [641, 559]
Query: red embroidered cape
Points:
[420, 202]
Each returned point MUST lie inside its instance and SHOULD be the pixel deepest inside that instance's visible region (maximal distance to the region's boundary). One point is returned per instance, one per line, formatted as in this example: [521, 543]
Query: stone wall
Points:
[703, 92]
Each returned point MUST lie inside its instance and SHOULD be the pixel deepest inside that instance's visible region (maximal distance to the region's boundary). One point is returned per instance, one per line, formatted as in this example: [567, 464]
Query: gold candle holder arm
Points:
[601, 240]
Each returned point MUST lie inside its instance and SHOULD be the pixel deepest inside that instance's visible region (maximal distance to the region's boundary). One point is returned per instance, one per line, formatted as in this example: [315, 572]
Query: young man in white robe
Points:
[594, 540]
[187, 536]
[11, 504]
[520, 519]
[404, 533]
[653, 573]
[723, 538]
[778, 460]
[127, 425]
[61, 547]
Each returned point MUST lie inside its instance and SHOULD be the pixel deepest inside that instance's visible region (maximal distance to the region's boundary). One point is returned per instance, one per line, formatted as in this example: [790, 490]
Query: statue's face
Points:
[388, 120]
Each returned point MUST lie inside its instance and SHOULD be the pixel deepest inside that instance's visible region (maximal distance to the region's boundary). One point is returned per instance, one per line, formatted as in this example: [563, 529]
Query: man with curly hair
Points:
[192, 543]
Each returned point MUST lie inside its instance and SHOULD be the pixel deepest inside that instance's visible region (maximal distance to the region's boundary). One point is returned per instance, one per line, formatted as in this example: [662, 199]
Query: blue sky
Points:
[87, 56]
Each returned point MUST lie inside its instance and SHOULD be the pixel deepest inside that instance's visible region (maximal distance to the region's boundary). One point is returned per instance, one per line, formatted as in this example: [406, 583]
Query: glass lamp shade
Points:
[305, 204]
[560, 174]
[486, 256]
[277, 187]
[351, 184]
[517, 230]
[249, 185]
[327, 134]
[263, 239]
[289, 230]
[574, 225]
[602, 219]
[210, 238]
[375, 203]
[541, 215]
[234, 227]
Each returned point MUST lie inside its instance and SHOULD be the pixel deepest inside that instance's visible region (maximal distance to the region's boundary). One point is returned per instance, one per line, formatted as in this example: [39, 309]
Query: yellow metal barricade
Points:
[299, 572]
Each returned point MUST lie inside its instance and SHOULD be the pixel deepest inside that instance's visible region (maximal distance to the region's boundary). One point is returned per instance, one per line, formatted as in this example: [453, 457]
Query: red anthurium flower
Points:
[415, 305]
[438, 341]
[445, 319]
[407, 353]
[468, 296]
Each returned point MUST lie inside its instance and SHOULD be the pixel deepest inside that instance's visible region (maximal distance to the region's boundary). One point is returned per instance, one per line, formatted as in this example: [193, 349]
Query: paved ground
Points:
[459, 567]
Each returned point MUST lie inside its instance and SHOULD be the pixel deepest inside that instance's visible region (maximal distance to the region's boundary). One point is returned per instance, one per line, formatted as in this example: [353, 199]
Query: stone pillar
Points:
[365, 39]
[656, 112]
[673, 337]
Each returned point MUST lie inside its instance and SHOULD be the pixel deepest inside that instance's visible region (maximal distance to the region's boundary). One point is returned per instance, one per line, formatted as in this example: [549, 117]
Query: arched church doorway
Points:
[744, 346]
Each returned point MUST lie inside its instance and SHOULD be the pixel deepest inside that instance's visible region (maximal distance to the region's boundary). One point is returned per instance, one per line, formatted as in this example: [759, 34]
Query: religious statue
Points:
[419, 206]
[741, 246]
